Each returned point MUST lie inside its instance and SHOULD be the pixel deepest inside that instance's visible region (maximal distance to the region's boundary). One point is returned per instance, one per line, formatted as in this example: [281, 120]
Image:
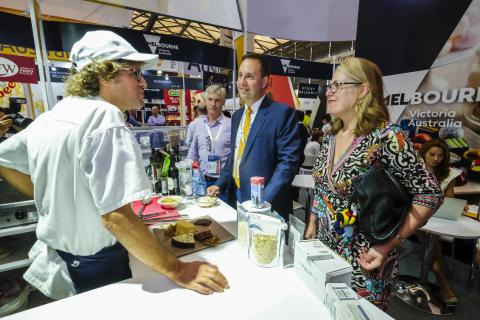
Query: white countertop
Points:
[472, 187]
[255, 293]
[303, 181]
[464, 227]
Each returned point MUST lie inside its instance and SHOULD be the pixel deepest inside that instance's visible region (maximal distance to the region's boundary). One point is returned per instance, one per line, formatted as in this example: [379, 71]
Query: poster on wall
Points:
[280, 89]
[307, 90]
[444, 101]
[17, 69]
[8, 90]
[210, 78]
[308, 99]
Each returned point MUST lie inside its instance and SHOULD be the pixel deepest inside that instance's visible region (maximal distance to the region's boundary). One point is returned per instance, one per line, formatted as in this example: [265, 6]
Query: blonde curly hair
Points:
[86, 82]
[371, 110]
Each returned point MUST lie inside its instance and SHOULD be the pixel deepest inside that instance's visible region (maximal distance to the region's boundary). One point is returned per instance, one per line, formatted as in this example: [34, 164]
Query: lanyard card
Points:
[213, 165]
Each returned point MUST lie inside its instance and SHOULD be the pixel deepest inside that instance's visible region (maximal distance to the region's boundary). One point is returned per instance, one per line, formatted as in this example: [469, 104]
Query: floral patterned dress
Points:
[386, 146]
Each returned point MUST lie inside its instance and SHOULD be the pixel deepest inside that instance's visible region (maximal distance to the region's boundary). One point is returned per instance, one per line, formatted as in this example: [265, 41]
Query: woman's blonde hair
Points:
[86, 82]
[371, 110]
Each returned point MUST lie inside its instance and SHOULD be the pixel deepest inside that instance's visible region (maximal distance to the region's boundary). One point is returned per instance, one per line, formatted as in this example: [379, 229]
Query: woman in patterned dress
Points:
[361, 138]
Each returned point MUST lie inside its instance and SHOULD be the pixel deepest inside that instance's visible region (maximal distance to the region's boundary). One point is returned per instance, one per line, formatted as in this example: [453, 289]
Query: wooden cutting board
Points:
[214, 227]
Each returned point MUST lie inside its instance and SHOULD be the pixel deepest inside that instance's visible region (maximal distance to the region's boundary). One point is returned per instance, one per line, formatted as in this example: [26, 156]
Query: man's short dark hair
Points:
[308, 112]
[300, 115]
[264, 64]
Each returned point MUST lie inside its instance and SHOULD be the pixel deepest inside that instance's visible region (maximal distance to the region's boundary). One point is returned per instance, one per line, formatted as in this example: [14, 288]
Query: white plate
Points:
[205, 203]
[267, 207]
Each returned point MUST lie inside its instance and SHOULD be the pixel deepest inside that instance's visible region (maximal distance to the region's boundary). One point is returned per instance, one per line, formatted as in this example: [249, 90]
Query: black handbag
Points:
[383, 202]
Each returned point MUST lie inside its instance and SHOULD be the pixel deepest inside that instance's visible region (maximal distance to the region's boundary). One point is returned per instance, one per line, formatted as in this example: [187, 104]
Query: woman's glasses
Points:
[336, 86]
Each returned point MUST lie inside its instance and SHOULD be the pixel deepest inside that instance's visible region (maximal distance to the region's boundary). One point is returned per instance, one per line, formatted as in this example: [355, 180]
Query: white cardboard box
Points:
[316, 264]
[343, 304]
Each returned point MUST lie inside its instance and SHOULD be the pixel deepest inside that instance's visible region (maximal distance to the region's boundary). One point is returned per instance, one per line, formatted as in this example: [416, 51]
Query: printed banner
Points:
[307, 90]
[59, 74]
[171, 97]
[443, 102]
[162, 82]
[210, 78]
[18, 69]
[280, 89]
[299, 68]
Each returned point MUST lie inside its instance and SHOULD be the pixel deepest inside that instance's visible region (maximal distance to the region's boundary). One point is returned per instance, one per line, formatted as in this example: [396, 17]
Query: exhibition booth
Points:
[429, 55]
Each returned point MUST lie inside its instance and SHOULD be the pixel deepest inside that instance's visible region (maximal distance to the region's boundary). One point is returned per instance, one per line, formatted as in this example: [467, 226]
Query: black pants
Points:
[107, 266]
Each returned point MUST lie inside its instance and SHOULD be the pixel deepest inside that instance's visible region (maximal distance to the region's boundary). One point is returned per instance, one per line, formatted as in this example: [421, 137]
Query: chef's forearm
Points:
[18, 180]
[139, 241]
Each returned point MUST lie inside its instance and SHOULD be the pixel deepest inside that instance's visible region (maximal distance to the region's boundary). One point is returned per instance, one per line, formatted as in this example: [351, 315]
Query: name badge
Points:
[213, 165]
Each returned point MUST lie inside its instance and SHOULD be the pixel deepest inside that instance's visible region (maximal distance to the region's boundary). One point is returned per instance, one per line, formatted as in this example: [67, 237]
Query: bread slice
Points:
[184, 241]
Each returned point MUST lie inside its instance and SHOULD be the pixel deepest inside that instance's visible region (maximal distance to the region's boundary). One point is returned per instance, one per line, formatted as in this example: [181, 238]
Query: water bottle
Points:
[199, 185]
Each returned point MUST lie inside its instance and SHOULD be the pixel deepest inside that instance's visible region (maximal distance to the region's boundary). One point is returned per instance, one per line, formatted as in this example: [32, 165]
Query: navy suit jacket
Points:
[272, 151]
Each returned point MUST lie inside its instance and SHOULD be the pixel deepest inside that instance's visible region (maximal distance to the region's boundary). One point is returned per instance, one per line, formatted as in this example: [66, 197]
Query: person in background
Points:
[327, 123]
[132, 113]
[83, 167]
[211, 142]
[362, 138]
[156, 119]
[303, 131]
[312, 149]
[5, 123]
[126, 117]
[437, 159]
[306, 118]
[265, 142]
[200, 109]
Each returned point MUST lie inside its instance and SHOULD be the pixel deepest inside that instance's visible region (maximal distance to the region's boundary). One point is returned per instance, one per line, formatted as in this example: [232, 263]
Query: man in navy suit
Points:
[265, 142]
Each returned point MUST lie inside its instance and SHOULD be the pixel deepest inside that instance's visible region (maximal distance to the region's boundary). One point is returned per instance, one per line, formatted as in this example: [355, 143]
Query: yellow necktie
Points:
[241, 147]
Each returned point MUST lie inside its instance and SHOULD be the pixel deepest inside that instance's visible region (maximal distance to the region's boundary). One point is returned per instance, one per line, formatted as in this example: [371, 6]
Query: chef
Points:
[83, 167]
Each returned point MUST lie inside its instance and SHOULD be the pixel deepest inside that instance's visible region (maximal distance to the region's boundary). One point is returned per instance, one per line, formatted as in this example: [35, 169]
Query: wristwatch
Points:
[400, 238]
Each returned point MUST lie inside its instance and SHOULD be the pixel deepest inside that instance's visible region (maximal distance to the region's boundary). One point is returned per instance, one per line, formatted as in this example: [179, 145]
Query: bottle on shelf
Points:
[151, 173]
[157, 170]
[164, 174]
[199, 185]
[173, 175]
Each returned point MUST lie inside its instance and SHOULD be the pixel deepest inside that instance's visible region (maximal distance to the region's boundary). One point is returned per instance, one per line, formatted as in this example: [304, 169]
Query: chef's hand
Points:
[213, 191]
[5, 123]
[374, 257]
[200, 276]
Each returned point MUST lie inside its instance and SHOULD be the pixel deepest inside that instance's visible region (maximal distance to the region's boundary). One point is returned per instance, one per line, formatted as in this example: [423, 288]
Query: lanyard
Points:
[214, 142]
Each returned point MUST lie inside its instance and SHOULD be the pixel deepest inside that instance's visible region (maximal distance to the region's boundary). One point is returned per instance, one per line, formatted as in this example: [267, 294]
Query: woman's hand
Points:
[311, 229]
[374, 257]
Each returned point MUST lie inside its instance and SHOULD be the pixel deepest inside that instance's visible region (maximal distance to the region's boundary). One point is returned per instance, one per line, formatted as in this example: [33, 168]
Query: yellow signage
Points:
[30, 52]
